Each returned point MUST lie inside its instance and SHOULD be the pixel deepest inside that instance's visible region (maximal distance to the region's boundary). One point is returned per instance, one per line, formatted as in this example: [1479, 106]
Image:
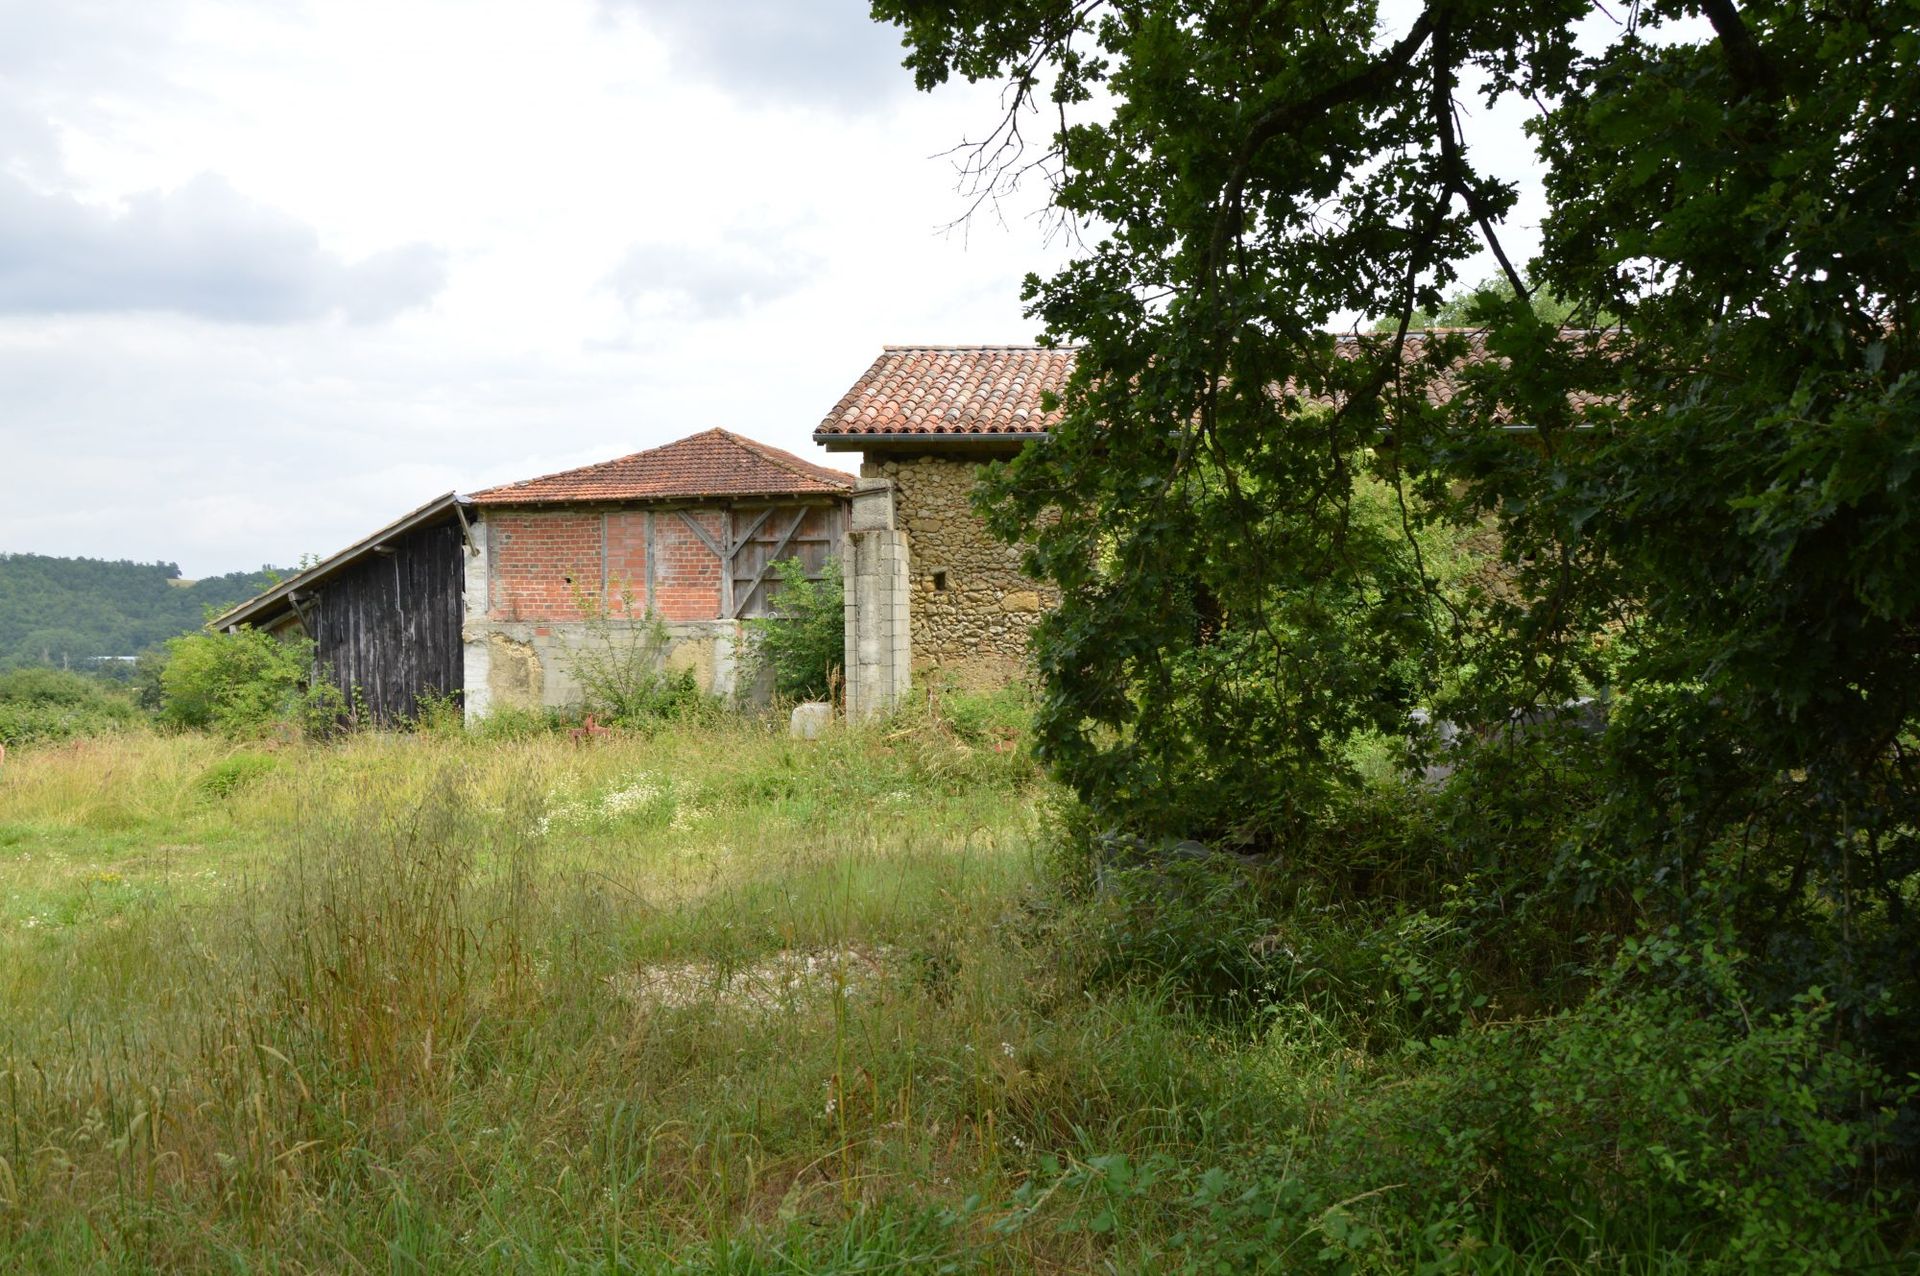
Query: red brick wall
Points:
[539, 559]
[627, 561]
[687, 575]
[534, 552]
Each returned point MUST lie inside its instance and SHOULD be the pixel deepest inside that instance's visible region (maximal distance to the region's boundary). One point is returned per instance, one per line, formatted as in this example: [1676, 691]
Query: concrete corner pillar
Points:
[476, 680]
[873, 561]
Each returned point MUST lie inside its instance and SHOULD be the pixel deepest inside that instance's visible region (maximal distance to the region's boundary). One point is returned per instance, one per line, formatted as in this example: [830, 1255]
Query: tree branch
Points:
[1283, 117]
[1746, 61]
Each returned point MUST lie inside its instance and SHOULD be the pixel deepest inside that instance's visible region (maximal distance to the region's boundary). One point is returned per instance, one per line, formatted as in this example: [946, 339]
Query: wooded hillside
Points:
[70, 610]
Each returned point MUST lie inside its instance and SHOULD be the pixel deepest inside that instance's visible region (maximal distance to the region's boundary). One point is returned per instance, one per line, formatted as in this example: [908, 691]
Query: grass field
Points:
[707, 1001]
[710, 1000]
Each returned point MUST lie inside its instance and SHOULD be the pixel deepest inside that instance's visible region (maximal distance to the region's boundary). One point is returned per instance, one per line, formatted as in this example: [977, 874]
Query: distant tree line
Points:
[71, 612]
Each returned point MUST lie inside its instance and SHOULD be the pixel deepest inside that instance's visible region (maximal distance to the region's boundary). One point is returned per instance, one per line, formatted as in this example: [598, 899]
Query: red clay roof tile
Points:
[952, 390]
[996, 390]
[715, 463]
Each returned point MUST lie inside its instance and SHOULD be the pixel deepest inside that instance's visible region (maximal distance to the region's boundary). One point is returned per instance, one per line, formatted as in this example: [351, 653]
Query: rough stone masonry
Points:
[970, 608]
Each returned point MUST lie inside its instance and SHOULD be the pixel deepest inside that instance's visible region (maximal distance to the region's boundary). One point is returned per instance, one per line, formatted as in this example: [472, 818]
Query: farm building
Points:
[488, 597]
[925, 419]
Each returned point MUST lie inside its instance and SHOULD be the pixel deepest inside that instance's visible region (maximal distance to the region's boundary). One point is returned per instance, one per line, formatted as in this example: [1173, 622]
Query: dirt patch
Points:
[786, 979]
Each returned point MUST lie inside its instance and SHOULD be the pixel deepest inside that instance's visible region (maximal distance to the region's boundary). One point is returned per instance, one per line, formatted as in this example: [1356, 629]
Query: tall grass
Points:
[709, 1001]
[413, 1029]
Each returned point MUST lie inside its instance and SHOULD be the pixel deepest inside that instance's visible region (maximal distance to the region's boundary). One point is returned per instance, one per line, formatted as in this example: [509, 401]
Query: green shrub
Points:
[1676, 1108]
[230, 775]
[804, 642]
[39, 705]
[621, 668]
[245, 683]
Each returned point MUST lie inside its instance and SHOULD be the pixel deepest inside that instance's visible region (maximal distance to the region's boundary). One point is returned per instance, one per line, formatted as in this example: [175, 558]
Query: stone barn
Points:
[925, 419]
[490, 597]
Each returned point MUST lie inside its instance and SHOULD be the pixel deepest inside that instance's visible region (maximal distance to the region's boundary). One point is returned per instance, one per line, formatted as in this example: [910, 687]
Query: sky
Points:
[274, 272]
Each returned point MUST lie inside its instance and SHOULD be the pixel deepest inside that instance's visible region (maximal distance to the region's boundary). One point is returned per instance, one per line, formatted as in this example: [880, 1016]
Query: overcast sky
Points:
[273, 272]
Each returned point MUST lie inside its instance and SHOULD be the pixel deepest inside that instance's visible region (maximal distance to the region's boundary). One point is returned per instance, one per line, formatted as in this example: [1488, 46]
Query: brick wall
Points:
[687, 575]
[626, 571]
[542, 563]
[545, 563]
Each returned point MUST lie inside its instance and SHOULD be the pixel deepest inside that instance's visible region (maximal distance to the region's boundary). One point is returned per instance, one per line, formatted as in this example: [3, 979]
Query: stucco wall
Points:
[970, 608]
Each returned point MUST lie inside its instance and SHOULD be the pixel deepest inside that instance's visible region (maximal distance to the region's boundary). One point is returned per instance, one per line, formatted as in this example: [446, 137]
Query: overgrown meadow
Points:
[709, 999]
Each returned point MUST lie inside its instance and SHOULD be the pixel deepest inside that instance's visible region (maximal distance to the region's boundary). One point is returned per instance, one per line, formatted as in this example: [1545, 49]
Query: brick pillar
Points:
[873, 560]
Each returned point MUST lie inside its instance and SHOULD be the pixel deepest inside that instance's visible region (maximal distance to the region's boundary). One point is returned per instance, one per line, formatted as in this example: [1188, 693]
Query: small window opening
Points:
[939, 582]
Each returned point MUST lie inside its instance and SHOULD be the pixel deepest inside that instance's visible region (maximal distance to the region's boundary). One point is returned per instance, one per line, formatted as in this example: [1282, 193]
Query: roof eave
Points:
[976, 441]
[670, 498]
[270, 602]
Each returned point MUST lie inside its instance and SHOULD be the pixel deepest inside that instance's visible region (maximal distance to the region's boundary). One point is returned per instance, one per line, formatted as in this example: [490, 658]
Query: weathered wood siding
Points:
[388, 628]
[762, 536]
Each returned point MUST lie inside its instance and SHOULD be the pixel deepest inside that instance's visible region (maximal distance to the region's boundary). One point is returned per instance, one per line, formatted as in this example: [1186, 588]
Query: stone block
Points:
[872, 505]
[810, 720]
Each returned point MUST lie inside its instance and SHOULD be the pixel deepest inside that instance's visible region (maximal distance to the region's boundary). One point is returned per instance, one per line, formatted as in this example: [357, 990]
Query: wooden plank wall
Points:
[388, 628]
[810, 533]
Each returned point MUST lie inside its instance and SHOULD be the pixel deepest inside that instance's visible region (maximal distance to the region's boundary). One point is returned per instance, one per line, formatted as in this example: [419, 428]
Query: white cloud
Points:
[824, 53]
[706, 279]
[201, 249]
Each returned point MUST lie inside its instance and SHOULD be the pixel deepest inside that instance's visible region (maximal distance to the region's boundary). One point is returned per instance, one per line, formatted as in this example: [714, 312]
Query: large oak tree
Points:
[1702, 486]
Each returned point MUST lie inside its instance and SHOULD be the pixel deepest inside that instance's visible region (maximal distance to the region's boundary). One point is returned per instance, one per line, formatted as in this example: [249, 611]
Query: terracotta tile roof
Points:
[951, 390]
[715, 463]
[989, 390]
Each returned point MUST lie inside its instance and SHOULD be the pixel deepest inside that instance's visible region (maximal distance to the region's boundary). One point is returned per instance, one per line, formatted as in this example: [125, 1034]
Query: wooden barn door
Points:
[764, 535]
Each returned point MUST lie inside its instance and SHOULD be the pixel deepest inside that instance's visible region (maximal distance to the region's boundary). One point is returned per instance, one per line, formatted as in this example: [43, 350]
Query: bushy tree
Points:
[1698, 474]
[245, 683]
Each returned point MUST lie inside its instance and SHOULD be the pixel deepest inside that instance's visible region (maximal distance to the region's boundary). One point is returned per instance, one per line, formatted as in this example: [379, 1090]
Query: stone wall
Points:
[970, 606]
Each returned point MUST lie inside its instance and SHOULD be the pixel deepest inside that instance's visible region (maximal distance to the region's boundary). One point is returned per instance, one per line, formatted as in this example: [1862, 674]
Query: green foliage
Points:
[46, 705]
[804, 642]
[621, 667]
[245, 683]
[77, 611]
[1468, 307]
[1730, 1132]
[234, 773]
[1711, 515]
